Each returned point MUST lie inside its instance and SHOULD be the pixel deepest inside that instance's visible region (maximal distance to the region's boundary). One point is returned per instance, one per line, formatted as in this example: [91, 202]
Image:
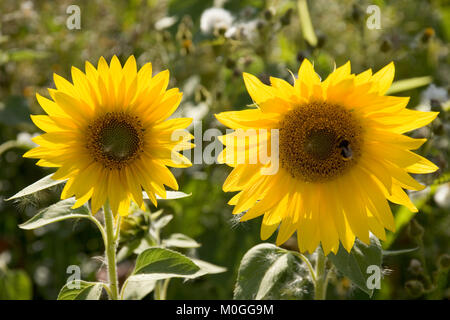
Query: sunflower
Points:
[341, 151]
[108, 134]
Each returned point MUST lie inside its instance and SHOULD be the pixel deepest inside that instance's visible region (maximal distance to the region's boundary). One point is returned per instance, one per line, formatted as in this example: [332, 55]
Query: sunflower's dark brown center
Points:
[319, 141]
[115, 139]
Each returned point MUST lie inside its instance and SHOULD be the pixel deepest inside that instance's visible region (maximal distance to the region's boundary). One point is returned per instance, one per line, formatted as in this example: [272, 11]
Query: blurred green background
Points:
[206, 56]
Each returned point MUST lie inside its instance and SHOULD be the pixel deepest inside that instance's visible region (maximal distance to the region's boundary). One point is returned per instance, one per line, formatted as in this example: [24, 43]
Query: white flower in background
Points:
[442, 196]
[432, 93]
[435, 93]
[196, 112]
[27, 8]
[5, 258]
[247, 30]
[215, 18]
[165, 23]
[25, 139]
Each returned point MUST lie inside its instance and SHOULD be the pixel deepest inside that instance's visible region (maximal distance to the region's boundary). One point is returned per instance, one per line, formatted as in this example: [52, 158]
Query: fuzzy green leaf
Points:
[180, 240]
[387, 253]
[269, 272]
[409, 84]
[170, 195]
[306, 24]
[354, 265]
[42, 184]
[137, 289]
[15, 285]
[160, 263]
[162, 222]
[85, 291]
[54, 213]
[205, 268]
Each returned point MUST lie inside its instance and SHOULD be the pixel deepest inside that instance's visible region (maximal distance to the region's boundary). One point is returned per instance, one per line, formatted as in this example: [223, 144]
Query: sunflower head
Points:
[107, 133]
[342, 156]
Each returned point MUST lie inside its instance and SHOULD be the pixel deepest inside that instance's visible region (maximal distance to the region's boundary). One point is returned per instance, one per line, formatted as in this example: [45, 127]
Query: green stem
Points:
[99, 226]
[320, 285]
[110, 251]
[157, 290]
[164, 287]
[161, 287]
[122, 291]
[308, 264]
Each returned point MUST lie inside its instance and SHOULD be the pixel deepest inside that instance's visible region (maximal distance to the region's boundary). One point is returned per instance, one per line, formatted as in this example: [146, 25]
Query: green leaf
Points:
[354, 265]
[56, 212]
[180, 240]
[269, 272]
[27, 54]
[170, 195]
[155, 215]
[160, 263]
[408, 84]
[205, 268]
[137, 289]
[387, 253]
[85, 291]
[140, 286]
[162, 222]
[127, 249]
[15, 285]
[42, 184]
[306, 24]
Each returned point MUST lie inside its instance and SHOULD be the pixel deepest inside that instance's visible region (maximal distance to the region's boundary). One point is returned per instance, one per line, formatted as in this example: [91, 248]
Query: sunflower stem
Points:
[320, 285]
[110, 252]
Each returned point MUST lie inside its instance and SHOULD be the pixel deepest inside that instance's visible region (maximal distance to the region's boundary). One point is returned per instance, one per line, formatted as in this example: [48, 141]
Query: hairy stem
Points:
[320, 285]
[110, 252]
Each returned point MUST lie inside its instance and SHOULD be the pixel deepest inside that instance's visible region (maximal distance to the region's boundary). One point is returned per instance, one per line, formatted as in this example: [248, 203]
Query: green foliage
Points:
[170, 195]
[305, 21]
[208, 68]
[408, 84]
[180, 240]
[387, 253]
[160, 263]
[155, 263]
[354, 265]
[42, 184]
[139, 289]
[81, 290]
[15, 285]
[269, 272]
[56, 212]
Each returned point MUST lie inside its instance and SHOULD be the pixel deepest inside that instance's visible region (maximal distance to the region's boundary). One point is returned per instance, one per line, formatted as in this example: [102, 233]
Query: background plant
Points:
[34, 41]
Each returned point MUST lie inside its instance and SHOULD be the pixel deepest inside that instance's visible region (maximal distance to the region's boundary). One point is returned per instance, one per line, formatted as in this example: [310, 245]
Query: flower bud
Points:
[427, 34]
[444, 261]
[415, 267]
[414, 288]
